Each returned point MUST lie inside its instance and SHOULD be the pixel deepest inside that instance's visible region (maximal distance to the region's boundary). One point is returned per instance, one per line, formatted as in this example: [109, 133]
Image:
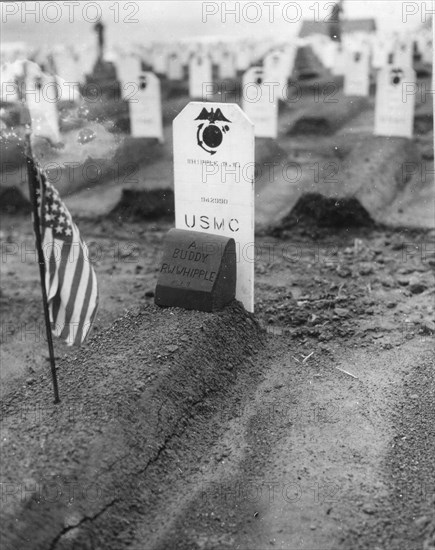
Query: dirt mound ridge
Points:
[327, 117]
[76, 472]
[12, 201]
[136, 205]
[313, 209]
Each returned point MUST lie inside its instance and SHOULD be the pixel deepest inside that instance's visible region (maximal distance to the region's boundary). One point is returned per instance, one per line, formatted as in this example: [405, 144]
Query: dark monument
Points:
[334, 22]
[198, 271]
[99, 28]
[103, 82]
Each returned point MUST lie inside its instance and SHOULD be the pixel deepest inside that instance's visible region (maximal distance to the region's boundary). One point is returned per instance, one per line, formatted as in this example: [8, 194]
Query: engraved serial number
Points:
[214, 199]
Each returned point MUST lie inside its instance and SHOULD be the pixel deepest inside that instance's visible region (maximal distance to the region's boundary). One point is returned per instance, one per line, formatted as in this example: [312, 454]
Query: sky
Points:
[39, 23]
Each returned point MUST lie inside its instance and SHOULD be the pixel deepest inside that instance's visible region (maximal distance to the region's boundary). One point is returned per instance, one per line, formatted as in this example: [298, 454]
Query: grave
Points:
[394, 108]
[260, 102]
[200, 75]
[41, 100]
[214, 181]
[146, 107]
[357, 73]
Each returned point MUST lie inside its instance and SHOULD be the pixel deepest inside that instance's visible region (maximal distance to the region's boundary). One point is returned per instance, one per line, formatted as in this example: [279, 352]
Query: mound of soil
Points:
[146, 204]
[12, 201]
[327, 117]
[79, 468]
[313, 209]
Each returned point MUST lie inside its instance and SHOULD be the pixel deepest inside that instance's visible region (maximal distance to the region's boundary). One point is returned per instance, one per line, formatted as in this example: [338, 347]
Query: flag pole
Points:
[37, 229]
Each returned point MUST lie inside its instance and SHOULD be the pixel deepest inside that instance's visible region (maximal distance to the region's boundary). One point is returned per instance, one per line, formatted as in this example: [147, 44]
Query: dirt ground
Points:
[322, 438]
[329, 445]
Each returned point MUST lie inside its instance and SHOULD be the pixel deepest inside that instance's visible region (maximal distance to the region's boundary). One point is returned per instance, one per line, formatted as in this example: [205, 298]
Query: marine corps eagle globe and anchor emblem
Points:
[210, 133]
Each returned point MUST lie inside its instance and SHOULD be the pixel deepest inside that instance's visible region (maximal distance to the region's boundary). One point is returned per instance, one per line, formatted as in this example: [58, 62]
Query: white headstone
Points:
[127, 68]
[403, 52]
[381, 49]
[214, 167]
[243, 58]
[159, 60]
[276, 70]
[394, 107]
[328, 54]
[9, 73]
[200, 75]
[339, 66]
[260, 102]
[41, 95]
[175, 67]
[227, 66]
[357, 73]
[67, 66]
[146, 107]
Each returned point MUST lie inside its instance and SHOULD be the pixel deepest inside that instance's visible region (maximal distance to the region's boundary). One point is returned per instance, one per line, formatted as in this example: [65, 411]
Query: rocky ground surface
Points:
[324, 439]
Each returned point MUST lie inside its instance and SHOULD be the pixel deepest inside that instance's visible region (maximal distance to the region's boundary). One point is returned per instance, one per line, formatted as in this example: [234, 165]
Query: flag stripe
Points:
[83, 317]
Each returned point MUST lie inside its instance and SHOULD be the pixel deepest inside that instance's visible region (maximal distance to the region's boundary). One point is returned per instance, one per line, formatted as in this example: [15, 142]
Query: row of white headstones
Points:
[214, 153]
[262, 88]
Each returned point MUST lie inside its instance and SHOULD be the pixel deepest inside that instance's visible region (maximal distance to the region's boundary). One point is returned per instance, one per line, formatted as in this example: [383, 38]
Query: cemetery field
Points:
[311, 426]
[279, 190]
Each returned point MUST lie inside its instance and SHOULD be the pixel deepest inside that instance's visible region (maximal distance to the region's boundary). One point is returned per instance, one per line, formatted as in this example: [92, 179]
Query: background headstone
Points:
[394, 108]
[41, 100]
[175, 67]
[357, 73]
[127, 68]
[260, 102]
[200, 74]
[276, 69]
[227, 67]
[146, 107]
[214, 172]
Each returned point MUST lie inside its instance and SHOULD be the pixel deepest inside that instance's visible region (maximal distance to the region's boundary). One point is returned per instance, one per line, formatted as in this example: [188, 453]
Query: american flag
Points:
[70, 281]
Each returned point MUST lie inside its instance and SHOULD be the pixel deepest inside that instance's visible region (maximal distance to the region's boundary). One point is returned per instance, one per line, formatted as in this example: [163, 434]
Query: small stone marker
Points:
[198, 271]
[146, 107]
[260, 102]
[357, 76]
[200, 75]
[214, 181]
[394, 107]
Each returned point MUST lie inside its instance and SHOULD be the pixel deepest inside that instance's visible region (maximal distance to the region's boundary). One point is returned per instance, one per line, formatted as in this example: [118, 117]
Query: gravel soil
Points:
[295, 428]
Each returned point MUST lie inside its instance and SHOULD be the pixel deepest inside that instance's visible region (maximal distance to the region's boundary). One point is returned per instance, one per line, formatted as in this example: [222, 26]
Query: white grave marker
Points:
[357, 73]
[175, 67]
[243, 58]
[67, 66]
[159, 60]
[146, 107]
[403, 52]
[227, 67]
[276, 70]
[339, 67]
[127, 68]
[200, 74]
[260, 102]
[41, 94]
[214, 166]
[394, 108]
